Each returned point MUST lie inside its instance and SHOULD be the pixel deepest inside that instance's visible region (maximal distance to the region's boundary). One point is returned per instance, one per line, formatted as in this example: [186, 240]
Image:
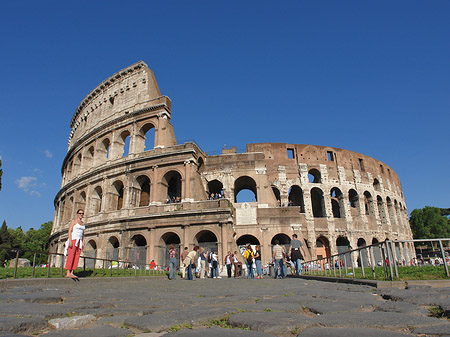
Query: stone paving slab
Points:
[339, 332]
[151, 306]
[217, 332]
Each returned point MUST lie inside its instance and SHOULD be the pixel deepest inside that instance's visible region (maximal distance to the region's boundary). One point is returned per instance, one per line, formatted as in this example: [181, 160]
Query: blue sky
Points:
[367, 76]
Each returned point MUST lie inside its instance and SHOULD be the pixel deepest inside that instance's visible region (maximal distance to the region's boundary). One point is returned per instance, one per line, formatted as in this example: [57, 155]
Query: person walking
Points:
[258, 262]
[236, 264]
[248, 257]
[295, 252]
[189, 260]
[172, 262]
[278, 258]
[228, 263]
[74, 243]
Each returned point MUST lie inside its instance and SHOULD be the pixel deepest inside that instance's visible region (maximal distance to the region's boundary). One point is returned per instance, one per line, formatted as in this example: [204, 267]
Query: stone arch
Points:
[172, 182]
[206, 239]
[145, 139]
[317, 202]
[167, 239]
[364, 253]
[284, 240]
[322, 247]
[96, 200]
[144, 195]
[337, 202]
[124, 142]
[343, 245]
[391, 210]
[377, 252]
[138, 250]
[89, 158]
[380, 206]
[104, 149]
[368, 203]
[215, 187]
[296, 197]
[353, 199]
[276, 193]
[246, 239]
[90, 251]
[376, 185]
[245, 183]
[314, 176]
[112, 249]
[200, 163]
[117, 192]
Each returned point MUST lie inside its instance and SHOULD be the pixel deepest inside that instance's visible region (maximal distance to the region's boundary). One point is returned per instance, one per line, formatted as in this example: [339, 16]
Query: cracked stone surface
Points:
[151, 307]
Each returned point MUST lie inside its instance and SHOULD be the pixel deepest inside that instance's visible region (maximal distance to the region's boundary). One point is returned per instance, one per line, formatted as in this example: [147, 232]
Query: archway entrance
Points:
[168, 239]
[322, 248]
[112, 250]
[207, 240]
[138, 250]
[90, 251]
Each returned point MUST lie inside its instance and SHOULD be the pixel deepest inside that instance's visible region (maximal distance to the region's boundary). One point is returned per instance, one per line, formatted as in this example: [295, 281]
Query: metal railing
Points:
[387, 254]
[107, 266]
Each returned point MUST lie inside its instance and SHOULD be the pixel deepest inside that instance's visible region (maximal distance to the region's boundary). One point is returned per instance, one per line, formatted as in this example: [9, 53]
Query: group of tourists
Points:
[203, 264]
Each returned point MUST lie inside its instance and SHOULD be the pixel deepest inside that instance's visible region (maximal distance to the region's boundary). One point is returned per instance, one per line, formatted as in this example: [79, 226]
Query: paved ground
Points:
[151, 306]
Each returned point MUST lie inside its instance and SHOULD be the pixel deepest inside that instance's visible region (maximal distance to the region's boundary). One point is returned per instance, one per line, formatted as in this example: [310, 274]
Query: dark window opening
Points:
[361, 164]
[330, 155]
[290, 153]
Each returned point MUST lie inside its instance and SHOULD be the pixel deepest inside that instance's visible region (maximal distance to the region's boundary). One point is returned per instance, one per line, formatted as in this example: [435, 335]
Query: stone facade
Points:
[141, 191]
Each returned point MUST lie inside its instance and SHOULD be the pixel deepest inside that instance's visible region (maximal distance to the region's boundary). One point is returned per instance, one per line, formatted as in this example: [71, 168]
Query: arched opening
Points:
[168, 239]
[377, 253]
[105, 148]
[97, 200]
[148, 133]
[89, 158]
[337, 202]
[247, 239]
[245, 190]
[343, 245]
[322, 248]
[112, 250]
[144, 184]
[314, 176]
[125, 142]
[296, 198]
[200, 164]
[380, 206]
[207, 240]
[215, 189]
[117, 195]
[353, 199]
[363, 254]
[391, 210]
[90, 251]
[276, 193]
[172, 180]
[376, 185]
[317, 202]
[138, 250]
[284, 241]
[368, 203]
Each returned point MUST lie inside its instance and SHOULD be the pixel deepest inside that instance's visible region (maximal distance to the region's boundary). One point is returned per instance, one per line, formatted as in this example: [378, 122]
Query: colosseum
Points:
[142, 191]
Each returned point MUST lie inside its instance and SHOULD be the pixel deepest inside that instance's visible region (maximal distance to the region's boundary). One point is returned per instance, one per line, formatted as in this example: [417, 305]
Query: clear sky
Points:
[367, 76]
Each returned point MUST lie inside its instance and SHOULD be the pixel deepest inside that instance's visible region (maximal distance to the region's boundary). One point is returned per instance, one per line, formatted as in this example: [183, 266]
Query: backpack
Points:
[209, 257]
[249, 257]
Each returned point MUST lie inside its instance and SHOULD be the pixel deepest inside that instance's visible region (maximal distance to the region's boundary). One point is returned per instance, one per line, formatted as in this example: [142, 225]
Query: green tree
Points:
[37, 240]
[429, 223]
[5, 242]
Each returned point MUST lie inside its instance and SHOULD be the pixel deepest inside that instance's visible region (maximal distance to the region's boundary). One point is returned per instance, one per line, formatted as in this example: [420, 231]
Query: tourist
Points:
[278, 257]
[228, 263]
[236, 264]
[74, 243]
[183, 266]
[202, 259]
[295, 253]
[215, 264]
[172, 262]
[248, 257]
[258, 262]
[189, 260]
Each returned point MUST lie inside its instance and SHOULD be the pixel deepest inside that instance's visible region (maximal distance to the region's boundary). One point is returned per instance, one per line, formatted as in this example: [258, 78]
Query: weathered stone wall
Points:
[141, 197]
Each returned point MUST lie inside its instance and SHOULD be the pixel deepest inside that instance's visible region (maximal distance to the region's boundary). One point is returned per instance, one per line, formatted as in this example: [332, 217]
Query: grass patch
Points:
[436, 311]
[27, 272]
[405, 273]
[179, 327]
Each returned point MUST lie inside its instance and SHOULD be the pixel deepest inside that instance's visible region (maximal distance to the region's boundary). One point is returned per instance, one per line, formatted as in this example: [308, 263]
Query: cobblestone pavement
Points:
[152, 306]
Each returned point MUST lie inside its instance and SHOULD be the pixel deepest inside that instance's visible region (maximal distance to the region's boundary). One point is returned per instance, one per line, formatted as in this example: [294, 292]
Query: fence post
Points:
[62, 265]
[362, 263]
[372, 257]
[34, 264]
[103, 268]
[17, 262]
[49, 263]
[353, 265]
[443, 258]
[394, 258]
[334, 266]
